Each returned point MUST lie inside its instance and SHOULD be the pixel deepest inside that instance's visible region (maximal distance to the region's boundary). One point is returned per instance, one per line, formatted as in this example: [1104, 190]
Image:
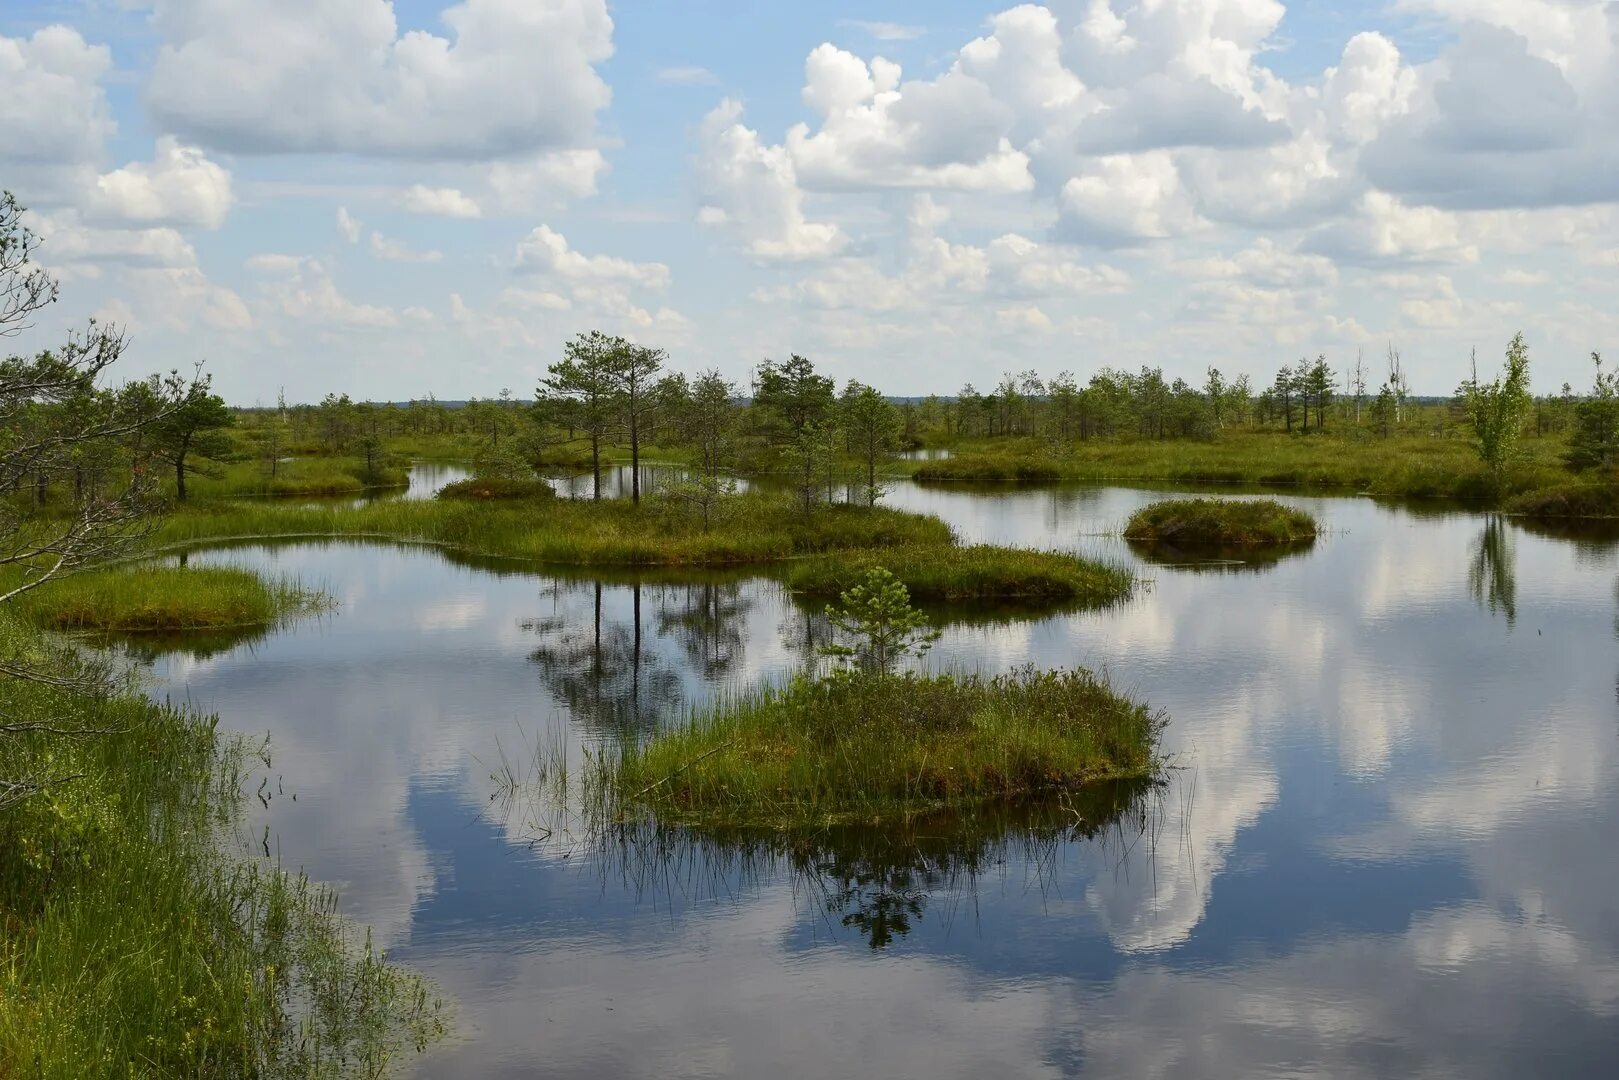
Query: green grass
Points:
[565, 532]
[1412, 466]
[885, 748]
[978, 572]
[483, 489]
[136, 939]
[1588, 499]
[300, 476]
[151, 597]
[1220, 521]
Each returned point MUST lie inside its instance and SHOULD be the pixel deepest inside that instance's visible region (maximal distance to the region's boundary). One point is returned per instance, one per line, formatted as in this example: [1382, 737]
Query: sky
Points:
[391, 200]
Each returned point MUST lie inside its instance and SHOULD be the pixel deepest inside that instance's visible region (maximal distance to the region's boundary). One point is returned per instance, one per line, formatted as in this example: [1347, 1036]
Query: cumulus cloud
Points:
[54, 110]
[752, 190]
[179, 187]
[546, 251]
[391, 250]
[337, 76]
[444, 202]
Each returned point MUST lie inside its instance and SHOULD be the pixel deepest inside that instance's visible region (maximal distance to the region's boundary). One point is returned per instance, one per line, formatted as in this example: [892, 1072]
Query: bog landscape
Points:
[638, 705]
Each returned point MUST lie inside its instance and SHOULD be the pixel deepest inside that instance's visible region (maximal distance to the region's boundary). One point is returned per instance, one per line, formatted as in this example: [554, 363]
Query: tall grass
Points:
[755, 529]
[139, 940]
[1590, 498]
[296, 476]
[885, 748]
[977, 572]
[1220, 521]
[153, 597]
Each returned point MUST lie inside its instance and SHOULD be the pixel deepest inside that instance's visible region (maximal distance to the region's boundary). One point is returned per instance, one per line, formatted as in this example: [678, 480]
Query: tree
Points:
[1317, 389]
[579, 391]
[57, 422]
[1284, 392]
[877, 614]
[1397, 384]
[195, 428]
[1382, 410]
[810, 456]
[1356, 378]
[631, 377]
[707, 419]
[793, 396]
[871, 423]
[1497, 410]
[1595, 442]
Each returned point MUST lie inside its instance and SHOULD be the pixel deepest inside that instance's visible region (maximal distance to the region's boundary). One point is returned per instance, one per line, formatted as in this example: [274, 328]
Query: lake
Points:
[1386, 845]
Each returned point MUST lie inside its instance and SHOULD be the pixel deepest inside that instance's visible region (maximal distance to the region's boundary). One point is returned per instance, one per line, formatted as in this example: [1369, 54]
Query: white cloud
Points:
[1127, 199]
[752, 189]
[444, 202]
[348, 225]
[53, 110]
[337, 76]
[180, 187]
[390, 250]
[546, 251]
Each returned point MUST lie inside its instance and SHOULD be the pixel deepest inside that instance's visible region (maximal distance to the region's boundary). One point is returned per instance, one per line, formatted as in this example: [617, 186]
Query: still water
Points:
[1387, 847]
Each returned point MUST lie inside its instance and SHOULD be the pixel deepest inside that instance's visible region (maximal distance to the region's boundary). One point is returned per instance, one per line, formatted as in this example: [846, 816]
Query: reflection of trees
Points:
[879, 882]
[1217, 558]
[601, 669]
[1493, 574]
[709, 620]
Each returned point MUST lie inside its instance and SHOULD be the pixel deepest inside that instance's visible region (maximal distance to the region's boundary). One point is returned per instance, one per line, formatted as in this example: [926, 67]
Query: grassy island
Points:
[166, 598]
[1589, 501]
[886, 748]
[485, 489]
[1188, 522]
[976, 572]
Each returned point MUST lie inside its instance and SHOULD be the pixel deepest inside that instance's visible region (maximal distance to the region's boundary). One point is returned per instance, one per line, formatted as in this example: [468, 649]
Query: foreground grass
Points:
[886, 748]
[978, 572]
[1404, 465]
[137, 940]
[1221, 522]
[565, 532]
[150, 597]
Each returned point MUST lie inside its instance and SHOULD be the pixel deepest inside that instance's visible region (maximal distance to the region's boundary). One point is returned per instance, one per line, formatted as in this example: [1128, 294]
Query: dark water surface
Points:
[1389, 847]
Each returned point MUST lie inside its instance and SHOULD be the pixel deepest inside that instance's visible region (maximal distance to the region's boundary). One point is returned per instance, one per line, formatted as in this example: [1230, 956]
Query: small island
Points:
[1224, 522]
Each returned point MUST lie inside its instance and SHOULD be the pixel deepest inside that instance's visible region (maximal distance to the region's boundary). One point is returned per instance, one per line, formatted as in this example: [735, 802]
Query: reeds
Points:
[152, 597]
[976, 572]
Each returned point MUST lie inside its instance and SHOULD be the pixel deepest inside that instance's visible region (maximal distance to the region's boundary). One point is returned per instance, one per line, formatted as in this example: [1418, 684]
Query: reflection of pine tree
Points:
[710, 622]
[1493, 574]
[602, 671]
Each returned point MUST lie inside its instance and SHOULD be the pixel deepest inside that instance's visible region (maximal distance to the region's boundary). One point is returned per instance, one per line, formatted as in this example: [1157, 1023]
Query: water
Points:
[1387, 847]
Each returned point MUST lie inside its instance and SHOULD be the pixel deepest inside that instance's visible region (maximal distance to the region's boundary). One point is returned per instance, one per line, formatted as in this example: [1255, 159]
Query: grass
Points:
[565, 532]
[1414, 466]
[297, 476]
[136, 938]
[483, 489]
[1220, 521]
[885, 748]
[1578, 499]
[151, 597]
[978, 572]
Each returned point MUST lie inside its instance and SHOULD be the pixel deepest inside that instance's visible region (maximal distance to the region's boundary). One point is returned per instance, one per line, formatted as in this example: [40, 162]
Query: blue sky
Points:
[391, 200]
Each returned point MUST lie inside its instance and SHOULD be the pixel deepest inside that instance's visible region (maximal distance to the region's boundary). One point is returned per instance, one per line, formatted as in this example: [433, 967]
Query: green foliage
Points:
[1595, 441]
[793, 397]
[872, 425]
[885, 628]
[978, 572]
[884, 749]
[1498, 410]
[1586, 499]
[1220, 521]
[138, 939]
[153, 597]
[489, 488]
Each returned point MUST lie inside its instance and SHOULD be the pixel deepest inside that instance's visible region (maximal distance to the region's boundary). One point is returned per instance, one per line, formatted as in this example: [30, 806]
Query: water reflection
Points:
[879, 883]
[1218, 558]
[1492, 574]
[1397, 860]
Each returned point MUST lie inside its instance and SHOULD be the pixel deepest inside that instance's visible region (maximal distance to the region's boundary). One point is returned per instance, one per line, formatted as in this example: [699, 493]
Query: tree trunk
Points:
[635, 459]
[180, 477]
[596, 465]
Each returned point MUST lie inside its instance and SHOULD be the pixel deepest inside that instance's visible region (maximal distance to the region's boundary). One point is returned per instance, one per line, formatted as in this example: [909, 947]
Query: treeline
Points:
[606, 392]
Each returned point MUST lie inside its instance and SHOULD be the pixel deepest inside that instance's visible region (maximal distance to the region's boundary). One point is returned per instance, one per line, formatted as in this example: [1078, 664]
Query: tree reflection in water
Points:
[878, 882]
[1493, 573]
